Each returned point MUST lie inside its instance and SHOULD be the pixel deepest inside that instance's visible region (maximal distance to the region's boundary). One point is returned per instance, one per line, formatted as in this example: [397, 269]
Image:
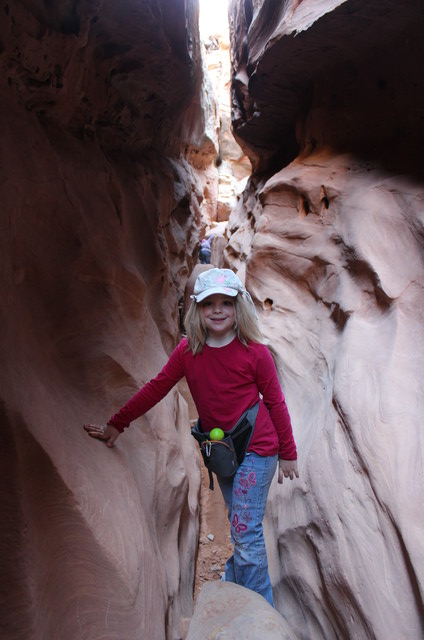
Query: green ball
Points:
[216, 434]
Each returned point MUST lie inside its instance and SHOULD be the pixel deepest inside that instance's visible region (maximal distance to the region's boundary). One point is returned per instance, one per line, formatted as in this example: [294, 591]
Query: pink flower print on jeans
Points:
[250, 481]
[245, 484]
[237, 525]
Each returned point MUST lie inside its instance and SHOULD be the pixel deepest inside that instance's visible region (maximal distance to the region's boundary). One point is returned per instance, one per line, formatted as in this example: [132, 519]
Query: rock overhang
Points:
[283, 57]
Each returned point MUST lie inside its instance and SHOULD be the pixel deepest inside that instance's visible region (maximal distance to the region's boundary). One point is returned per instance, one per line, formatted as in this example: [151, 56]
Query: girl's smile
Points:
[218, 314]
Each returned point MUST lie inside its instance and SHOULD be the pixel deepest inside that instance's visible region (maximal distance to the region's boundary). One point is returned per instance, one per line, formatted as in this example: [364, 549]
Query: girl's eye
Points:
[228, 303]
[207, 303]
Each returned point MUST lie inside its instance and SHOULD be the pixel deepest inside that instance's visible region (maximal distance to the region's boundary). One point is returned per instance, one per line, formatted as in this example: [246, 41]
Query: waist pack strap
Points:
[246, 421]
[248, 418]
[242, 432]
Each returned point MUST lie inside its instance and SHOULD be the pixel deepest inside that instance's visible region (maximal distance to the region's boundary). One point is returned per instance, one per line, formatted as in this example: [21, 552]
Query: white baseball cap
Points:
[215, 281]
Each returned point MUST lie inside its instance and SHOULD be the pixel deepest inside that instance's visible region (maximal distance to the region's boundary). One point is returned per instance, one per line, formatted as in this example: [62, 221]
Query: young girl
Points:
[228, 369]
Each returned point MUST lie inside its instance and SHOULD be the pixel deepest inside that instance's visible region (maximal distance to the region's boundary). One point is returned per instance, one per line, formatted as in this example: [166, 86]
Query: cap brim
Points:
[226, 291]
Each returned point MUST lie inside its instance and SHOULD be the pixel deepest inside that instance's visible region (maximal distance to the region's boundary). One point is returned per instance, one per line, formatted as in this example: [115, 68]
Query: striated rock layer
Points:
[329, 234]
[101, 113]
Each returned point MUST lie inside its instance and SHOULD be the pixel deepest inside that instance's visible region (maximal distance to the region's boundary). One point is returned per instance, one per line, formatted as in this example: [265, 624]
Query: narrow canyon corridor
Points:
[304, 163]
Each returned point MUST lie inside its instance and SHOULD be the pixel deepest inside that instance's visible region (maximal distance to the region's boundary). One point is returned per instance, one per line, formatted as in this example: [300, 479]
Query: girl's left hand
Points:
[287, 469]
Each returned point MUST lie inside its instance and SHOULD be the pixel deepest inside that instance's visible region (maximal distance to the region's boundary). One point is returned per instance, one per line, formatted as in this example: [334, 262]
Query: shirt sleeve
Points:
[273, 398]
[152, 392]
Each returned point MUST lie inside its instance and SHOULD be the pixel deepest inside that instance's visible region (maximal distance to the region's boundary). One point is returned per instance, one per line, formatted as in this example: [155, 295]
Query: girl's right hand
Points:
[108, 433]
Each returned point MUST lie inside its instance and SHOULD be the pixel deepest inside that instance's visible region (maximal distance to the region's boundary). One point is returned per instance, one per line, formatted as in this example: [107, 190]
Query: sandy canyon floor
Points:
[212, 553]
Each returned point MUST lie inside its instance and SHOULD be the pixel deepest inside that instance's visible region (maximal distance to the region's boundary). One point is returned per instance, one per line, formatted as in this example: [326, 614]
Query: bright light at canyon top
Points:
[213, 17]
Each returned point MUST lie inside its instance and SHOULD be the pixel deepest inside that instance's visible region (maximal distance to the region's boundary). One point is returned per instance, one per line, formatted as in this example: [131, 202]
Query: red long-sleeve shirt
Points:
[224, 382]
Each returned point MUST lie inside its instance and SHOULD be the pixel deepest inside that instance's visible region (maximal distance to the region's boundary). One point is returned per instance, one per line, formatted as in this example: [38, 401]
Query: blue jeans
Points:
[204, 256]
[245, 496]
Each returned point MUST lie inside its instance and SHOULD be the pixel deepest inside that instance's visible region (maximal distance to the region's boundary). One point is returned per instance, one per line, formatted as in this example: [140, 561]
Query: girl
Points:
[228, 369]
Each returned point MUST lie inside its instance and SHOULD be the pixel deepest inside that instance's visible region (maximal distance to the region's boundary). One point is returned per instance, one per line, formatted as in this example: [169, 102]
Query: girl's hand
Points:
[108, 433]
[287, 469]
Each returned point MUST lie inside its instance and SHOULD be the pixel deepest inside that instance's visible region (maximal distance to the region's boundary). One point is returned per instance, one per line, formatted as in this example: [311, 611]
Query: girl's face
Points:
[218, 314]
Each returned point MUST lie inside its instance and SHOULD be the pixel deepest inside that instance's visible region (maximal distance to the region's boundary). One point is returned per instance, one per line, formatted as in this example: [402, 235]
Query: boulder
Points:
[226, 611]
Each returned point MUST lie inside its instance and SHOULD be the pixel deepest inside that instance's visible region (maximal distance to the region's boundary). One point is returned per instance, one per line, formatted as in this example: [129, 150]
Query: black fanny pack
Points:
[223, 457]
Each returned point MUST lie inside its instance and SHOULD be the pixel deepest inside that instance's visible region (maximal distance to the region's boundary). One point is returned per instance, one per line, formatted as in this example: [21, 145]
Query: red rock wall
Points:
[328, 100]
[100, 106]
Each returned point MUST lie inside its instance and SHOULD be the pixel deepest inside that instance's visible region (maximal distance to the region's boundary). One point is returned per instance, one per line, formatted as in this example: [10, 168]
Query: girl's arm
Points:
[146, 398]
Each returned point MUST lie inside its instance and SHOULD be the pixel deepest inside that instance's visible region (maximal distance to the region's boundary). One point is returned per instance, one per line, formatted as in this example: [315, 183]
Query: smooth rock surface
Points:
[342, 308]
[226, 611]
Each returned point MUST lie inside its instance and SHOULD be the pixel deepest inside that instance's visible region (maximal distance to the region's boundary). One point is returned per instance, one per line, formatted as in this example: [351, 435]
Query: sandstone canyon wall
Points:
[102, 152]
[233, 166]
[328, 103]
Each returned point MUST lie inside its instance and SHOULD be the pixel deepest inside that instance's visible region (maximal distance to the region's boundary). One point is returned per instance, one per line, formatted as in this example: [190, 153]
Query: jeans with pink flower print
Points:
[245, 496]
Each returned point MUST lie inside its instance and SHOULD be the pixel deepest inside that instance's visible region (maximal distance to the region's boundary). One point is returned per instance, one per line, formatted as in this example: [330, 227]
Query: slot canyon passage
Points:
[111, 153]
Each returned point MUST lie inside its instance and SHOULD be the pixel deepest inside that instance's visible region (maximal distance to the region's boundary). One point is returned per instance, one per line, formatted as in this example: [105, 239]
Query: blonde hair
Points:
[246, 324]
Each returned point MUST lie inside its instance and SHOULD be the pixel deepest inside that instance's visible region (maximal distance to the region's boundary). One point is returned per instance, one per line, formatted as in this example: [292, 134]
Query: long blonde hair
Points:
[246, 324]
